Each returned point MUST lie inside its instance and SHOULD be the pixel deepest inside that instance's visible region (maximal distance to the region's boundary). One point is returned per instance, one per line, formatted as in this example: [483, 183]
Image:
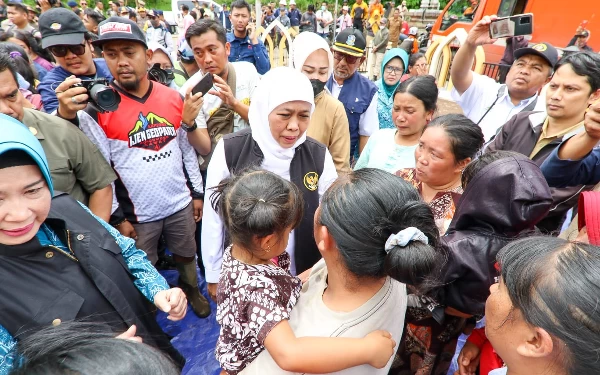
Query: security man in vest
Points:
[356, 92]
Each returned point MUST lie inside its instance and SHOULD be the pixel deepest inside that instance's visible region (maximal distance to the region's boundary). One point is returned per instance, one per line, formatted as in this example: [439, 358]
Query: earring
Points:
[268, 249]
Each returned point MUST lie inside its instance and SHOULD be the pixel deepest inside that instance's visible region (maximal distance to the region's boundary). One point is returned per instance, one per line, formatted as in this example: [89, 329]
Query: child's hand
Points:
[382, 347]
[173, 302]
[468, 360]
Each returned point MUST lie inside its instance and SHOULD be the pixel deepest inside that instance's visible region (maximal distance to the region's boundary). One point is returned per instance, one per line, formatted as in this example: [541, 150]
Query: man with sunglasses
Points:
[65, 36]
[356, 92]
[159, 186]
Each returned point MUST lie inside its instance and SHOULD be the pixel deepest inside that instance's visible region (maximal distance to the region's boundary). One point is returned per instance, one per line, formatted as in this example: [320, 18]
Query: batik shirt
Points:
[251, 300]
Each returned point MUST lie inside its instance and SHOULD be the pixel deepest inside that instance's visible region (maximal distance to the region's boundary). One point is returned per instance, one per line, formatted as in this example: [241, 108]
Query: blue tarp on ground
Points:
[195, 338]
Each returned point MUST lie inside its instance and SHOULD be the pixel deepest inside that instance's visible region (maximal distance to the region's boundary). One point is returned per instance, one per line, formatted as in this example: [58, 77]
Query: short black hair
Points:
[87, 348]
[423, 88]
[185, 7]
[93, 15]
[466, 138]
[20, 63]
[311, 7]
[7, 64]
[414, 57]
[202, 26]
[239, 4]
[554, 284]
[20, 7]
[363, 209]
[584, 64]
[255, 204]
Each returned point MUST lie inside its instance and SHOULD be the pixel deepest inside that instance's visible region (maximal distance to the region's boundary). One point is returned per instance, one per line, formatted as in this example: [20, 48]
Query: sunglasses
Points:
[341, 56]
[61, 51]
[125, 14]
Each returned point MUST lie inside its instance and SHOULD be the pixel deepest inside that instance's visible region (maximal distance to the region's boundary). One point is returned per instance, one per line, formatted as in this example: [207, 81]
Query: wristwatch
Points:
[188, 128]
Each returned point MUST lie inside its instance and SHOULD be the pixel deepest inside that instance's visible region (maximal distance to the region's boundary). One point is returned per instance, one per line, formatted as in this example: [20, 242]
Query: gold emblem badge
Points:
[540, 47]
[311, 181]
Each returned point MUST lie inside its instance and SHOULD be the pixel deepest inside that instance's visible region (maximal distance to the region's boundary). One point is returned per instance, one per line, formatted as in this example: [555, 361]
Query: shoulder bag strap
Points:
[501, 91]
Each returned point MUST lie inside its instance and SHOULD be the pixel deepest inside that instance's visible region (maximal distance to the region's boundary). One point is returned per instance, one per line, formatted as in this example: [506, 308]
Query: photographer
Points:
[65, 36]
[160, 66]
[244, 42]
[159, 188]
[76, 166]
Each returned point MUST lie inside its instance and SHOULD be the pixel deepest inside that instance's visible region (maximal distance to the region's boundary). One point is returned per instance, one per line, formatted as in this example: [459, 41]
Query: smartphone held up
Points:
[507, 27]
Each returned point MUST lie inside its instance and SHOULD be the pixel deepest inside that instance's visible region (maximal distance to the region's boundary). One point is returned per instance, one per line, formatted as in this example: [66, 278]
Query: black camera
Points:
[162, 76]
[101, 96]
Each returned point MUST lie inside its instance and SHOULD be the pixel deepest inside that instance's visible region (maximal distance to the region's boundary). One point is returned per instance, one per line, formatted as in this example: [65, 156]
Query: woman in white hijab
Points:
[276, 141]
[329, 123]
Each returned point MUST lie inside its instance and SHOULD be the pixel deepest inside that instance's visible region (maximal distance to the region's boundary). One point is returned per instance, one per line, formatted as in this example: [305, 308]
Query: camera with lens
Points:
[101, 96]
[162, 76]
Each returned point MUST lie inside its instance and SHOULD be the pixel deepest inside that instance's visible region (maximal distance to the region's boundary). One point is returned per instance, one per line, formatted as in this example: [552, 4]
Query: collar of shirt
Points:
[522, 103]
[544, 134]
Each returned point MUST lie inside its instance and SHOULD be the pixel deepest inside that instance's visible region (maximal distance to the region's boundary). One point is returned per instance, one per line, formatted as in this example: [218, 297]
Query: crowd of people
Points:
[341, 223]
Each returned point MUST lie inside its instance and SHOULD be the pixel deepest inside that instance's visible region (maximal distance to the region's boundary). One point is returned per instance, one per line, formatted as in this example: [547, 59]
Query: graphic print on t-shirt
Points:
[151, 132]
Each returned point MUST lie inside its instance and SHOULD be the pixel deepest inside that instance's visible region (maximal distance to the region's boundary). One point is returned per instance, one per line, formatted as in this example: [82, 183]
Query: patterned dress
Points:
[251, 300]
[429, 340]
[443, 204]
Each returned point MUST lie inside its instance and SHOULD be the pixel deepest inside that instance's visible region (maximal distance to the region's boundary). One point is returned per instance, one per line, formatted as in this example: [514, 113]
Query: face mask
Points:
[317, 86]
[323, 8]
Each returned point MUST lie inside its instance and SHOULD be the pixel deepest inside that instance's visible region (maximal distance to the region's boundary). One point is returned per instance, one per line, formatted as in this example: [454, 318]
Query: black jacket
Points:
[504, 200]
[520, 134]
[39, 285]
[306, 167]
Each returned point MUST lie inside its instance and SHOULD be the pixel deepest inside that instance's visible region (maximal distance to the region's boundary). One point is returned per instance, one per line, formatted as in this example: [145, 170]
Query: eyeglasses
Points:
[393, 70]
[341, 56]
[124, 14]
[61, 51]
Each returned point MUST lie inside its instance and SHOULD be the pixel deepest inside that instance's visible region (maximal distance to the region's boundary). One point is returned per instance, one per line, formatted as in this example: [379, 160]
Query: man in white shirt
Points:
[489, 103]
[208, 40]
[324, 19]
[158, 33]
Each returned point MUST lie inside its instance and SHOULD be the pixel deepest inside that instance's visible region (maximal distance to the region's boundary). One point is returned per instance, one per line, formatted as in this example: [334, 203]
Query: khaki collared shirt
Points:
[545, 139]
[76, 165]
[329, 125]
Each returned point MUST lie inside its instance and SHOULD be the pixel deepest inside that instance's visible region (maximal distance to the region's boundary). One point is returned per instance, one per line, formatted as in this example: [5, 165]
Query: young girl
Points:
[255, 295]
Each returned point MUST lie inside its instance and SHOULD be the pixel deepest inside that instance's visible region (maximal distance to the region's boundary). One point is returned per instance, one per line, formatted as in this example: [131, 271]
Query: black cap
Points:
[544, 50]
[60, 26]
[119, 28]
[350, 41]
[583, 34]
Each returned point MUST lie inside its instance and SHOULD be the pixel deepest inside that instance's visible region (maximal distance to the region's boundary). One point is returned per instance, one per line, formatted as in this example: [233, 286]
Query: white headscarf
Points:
[307, 43]
[278, 86]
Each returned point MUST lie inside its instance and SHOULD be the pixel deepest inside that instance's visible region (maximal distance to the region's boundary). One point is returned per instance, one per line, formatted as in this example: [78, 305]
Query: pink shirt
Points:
[188, 21]
[344, 22]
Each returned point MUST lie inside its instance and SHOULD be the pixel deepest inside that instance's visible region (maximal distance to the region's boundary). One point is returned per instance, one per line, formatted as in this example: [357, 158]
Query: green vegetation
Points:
[302, 4]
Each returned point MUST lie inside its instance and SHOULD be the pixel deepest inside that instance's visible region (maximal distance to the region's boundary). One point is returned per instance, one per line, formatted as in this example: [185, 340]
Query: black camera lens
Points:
[105, 97]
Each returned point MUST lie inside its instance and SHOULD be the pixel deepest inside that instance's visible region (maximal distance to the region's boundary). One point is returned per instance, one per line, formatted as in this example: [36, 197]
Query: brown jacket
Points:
[329, 125]
[521, 134]
[394, 26]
